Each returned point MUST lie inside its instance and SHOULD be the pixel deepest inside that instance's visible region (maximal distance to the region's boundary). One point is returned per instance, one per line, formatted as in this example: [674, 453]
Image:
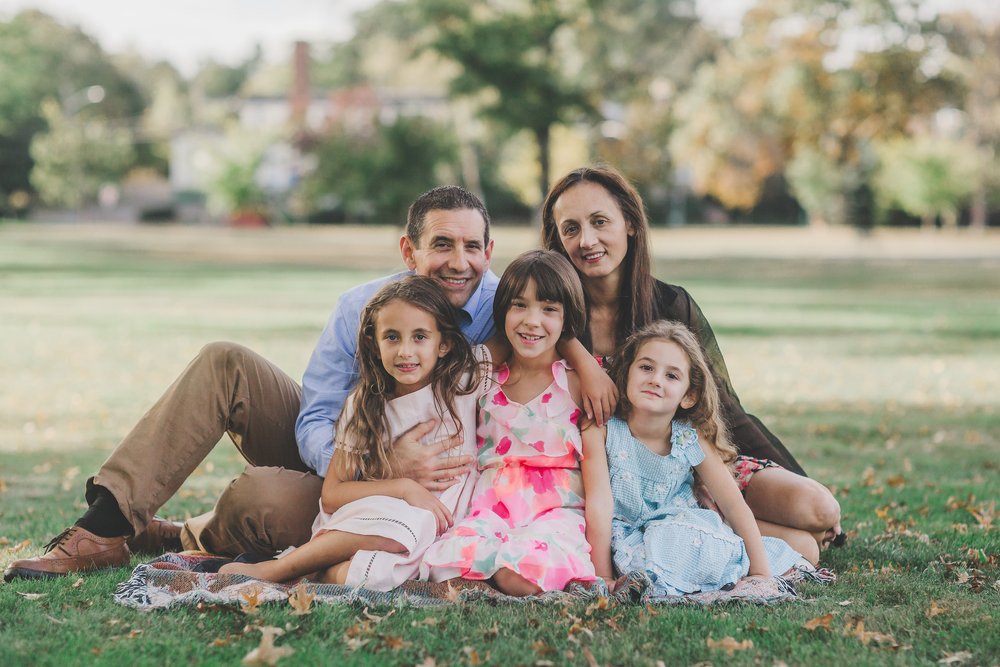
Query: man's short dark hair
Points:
[443, 198]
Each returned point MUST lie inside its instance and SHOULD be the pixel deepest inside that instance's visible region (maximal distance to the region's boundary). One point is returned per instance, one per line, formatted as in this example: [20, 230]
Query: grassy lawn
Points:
[883, 377]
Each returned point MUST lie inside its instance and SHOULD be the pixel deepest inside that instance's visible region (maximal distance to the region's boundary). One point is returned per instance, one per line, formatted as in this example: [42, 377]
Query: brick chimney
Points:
[300, 94]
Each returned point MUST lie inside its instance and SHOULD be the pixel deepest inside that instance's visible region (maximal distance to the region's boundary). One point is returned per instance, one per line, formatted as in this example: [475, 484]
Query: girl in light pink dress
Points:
[525, 526]
[414, 366]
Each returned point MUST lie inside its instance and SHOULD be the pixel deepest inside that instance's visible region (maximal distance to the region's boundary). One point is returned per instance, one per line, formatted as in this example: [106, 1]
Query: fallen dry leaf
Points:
[818, 622]
[591, 660]
[78, 583]
[395, 643]
[20, 546]
[250, 598]
[452, 594]
[896, 481]
[301, 599]
[267, 653]
[868, 477]
[935, 610]
[984, 514]
[430, 620]
[354, 643]
[429, 661]
[541, 648]
[729, 644]
[376, 619]
[599, 604]
[856, 628]
[471, 655]
[32, 596]
[955, 658]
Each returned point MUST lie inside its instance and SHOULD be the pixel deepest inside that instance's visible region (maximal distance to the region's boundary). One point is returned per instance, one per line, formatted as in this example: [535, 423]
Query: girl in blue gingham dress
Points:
[639, 476]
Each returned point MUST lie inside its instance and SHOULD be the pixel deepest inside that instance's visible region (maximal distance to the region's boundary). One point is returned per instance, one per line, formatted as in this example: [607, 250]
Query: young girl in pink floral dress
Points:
[525, 526]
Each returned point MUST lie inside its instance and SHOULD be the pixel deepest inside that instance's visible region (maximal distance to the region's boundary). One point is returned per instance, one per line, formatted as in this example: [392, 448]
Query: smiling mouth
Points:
[529, 338]
[594, 256]
[455, 282]
[407, 368]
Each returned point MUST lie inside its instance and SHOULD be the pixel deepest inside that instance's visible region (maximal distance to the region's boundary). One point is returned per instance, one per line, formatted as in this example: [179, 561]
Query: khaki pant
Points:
[230, 389]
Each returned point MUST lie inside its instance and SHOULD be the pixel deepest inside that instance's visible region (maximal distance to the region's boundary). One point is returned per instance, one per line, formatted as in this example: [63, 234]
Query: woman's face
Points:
[592, 230]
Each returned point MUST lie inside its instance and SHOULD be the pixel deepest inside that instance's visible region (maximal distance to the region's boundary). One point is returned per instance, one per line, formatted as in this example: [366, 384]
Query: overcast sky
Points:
[186, 32]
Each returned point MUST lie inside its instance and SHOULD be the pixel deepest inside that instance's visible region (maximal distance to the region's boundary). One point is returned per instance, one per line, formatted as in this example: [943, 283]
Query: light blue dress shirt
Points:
[332, 370]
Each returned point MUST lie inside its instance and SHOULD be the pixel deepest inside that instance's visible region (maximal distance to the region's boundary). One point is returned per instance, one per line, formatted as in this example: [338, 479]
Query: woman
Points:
[597, 220]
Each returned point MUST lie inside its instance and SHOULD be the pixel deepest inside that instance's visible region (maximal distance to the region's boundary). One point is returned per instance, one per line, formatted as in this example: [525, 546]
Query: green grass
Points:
[883, 377]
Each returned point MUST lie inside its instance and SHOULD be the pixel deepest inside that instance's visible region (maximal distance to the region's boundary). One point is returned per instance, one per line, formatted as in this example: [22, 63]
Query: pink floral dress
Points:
[527, 508]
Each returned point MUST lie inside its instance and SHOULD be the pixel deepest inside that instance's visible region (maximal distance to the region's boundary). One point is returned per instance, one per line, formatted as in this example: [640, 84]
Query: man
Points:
[285, 433]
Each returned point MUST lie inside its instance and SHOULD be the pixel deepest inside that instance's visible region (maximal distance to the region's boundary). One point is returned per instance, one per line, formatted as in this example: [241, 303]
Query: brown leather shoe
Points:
[159, 537]
[73, 550]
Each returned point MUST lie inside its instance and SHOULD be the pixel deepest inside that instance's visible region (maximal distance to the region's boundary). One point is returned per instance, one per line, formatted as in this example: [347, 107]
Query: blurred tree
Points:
[235, 191]
[76, 156]
[820, 78]
[928, 177]
[41, 58]
[975, 48]
[512, 62]
[215, 79]
[639, 53]
[376, 176]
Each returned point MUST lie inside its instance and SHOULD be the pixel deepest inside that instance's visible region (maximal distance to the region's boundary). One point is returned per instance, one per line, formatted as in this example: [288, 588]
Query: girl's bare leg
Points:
[803, 542]
[781, 497]
[335, 574]
[511, 583]
[319, 553]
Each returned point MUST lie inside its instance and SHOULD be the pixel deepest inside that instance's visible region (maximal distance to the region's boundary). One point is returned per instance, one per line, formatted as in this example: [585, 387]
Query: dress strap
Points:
[559, 368]
[503, 373]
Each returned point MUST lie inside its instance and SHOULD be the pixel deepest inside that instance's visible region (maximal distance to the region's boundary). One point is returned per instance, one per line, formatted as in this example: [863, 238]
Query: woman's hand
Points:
[598, 392]
[418, 496]
[423, 463]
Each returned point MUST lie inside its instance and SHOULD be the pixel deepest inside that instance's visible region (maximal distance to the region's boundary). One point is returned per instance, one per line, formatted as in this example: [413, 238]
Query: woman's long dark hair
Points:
[636, 298]
[365, 435]
[706, 413]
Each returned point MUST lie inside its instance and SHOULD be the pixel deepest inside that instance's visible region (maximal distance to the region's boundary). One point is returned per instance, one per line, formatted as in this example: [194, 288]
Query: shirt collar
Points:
[471, 306]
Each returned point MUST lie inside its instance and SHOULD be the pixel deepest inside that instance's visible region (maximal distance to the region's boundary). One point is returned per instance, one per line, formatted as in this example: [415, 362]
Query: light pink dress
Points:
[527, 511]
[413, 527]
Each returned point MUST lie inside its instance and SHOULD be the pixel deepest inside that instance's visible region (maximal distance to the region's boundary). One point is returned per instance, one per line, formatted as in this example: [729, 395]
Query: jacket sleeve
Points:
[749, 435]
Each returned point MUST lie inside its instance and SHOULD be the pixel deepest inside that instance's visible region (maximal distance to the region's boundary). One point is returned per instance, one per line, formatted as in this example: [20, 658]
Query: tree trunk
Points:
[977, 217]
[542, 138]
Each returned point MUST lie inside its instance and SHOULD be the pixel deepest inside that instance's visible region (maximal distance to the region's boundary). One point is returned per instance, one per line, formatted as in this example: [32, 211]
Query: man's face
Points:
[451, 250]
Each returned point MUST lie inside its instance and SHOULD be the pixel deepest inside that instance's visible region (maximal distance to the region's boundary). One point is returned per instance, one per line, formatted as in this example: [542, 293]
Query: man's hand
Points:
[424, 463]
[598, 391]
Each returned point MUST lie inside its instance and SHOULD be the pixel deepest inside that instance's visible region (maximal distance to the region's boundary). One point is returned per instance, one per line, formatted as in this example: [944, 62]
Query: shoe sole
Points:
[25, 573]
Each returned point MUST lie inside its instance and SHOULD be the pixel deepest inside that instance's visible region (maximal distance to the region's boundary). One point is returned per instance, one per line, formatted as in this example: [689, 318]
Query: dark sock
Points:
[104, 518]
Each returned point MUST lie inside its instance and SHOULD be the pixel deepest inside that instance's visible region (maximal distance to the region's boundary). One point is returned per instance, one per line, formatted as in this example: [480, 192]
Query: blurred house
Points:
[279, 131]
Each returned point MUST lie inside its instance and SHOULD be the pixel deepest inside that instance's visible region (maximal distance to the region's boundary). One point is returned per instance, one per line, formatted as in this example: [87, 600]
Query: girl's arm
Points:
[340, 488]
[599, 392]
[599, 504]
[722, 486]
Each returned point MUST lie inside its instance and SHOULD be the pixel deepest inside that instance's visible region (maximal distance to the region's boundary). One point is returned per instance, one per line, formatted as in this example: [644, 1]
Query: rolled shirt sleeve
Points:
[332, 371]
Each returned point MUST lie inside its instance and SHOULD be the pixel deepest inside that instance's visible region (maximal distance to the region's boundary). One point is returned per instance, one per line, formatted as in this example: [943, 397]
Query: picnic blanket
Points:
[171, 580]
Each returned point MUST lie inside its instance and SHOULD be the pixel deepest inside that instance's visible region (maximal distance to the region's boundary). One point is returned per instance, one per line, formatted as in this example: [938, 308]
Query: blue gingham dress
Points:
[658, 527]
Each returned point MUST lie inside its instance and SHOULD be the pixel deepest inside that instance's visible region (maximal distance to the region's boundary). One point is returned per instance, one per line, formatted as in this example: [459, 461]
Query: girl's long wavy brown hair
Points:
[706, 413]
[638, 287]
[366, 431]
